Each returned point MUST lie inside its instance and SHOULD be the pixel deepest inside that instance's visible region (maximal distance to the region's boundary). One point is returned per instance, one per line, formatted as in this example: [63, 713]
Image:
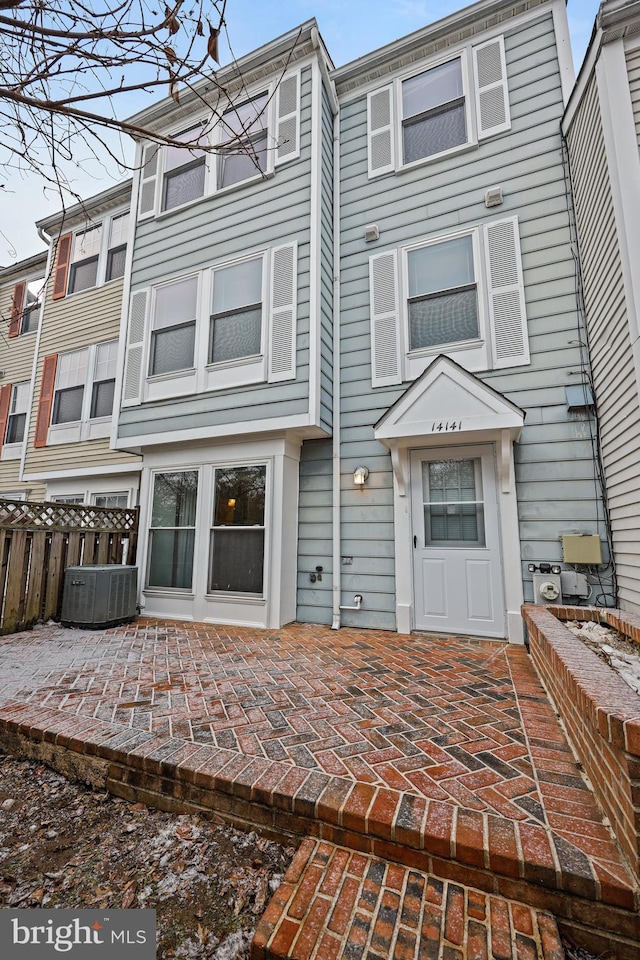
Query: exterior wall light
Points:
[360, 475]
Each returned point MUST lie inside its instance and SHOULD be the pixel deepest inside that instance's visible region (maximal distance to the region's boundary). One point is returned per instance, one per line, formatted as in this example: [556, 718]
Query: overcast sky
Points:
[350, 29]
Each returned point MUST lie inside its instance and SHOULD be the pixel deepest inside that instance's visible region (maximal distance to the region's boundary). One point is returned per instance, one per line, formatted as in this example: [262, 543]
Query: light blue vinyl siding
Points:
[554, 466]
[315, 545]
[255, 216]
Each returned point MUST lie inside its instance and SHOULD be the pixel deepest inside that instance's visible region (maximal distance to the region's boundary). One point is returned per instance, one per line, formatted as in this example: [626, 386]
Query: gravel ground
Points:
[64, 845]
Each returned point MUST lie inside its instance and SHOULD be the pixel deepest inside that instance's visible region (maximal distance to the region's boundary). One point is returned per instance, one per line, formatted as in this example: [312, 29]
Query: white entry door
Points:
[458, 583]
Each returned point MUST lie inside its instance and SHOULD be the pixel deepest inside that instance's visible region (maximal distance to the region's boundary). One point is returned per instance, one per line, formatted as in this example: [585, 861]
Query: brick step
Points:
[337, 903]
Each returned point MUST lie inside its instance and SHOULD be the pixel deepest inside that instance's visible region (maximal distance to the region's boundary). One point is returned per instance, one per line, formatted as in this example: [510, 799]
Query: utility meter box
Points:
[582, 548]
[547, 588]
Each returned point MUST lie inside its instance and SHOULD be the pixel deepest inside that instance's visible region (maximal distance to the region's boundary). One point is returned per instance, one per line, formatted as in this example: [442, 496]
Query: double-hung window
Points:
[433, 111]
[17, 418]
[104, 379]
[174, 326]
[91, 256]
[84, 259]
[243, 135]
[236, 554]
[117, 250]
[71, 376]
[34, 295]
[184, 170]
[172, 530]
[236, 313]
[83, 393]
[443, 294]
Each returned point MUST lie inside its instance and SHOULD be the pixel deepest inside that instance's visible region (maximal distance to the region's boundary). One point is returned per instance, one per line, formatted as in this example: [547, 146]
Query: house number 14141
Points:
[444, 426]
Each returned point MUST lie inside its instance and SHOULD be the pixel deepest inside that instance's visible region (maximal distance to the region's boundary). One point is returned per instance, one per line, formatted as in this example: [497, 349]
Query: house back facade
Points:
[349, 337]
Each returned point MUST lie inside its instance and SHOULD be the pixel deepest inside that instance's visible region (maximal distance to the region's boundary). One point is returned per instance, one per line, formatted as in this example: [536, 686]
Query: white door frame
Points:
[490, 551]
[507, 519]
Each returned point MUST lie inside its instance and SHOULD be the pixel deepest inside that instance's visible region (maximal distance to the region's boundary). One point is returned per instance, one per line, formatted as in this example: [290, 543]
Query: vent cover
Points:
[99, 596]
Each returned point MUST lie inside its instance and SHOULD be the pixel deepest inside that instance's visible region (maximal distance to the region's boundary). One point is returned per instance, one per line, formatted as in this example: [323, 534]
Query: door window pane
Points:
[172, 534]
[453, 503]
[237, 538]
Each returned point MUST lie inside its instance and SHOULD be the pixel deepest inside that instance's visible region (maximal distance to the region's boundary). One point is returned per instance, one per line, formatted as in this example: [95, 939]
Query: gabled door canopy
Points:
[448, 405]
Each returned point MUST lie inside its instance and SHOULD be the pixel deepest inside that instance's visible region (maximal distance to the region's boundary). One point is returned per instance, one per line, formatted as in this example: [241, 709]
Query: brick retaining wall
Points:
[600, 711]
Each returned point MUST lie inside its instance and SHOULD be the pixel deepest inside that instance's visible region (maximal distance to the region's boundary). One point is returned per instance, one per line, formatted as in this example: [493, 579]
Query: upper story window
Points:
[244, 129]
[433, 111]
[84, 259]
[429, 114]
[442, 294]
[226, 326]
[26, 305]
[174, 326]
[184, 170]
[92, 256]
[76, 394]
[460, 294]
[236, 317]
[251, 136]
[17, 419]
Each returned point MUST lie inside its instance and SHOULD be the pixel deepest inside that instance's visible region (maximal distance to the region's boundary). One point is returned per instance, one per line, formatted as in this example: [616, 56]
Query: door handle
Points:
[415, 541]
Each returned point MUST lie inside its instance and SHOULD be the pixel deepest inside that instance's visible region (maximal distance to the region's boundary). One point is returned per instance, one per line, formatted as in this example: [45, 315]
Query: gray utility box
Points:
[99, 595]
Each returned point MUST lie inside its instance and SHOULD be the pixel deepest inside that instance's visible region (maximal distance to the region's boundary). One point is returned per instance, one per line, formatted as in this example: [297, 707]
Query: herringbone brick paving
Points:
[337, 904]
[455, 721]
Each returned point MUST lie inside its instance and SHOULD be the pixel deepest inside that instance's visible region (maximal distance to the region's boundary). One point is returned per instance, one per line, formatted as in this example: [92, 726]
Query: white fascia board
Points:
[563, 47]
[400, 56]
[299, 424]
[584, 76]
[104, 471]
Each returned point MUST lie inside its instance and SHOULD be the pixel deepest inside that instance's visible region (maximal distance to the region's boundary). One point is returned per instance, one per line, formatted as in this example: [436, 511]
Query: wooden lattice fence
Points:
[38, 541]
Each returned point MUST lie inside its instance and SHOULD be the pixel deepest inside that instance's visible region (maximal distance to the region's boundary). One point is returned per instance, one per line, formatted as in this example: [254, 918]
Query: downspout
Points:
[335, 485]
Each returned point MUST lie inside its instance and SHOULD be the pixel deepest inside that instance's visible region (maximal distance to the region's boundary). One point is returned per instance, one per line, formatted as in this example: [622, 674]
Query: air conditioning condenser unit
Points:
[99, 595]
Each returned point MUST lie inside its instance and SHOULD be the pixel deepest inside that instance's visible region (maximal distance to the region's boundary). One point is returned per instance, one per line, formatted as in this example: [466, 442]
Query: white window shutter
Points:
[492, 94]
[386, 365]
[288, 118]
[149, 180]
[132, 385]
[282, 313]
[380, 131]
[507, 309]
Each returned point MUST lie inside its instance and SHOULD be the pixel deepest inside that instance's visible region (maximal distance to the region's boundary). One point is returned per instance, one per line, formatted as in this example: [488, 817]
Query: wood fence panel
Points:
[103, 547]
[89, 551]
[15, 585]
[74, 549]
[115, 548]
[37, 577]
[54, 575]
[39, 540]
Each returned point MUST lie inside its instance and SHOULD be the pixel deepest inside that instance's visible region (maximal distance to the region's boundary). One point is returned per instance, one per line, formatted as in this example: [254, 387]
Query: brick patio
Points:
[442, 755]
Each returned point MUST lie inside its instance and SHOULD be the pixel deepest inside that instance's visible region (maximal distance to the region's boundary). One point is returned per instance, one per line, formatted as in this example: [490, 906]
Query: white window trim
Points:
[266, 527]
[187, 593]
[468, 91]
[103, 254]
[13, 451]
[34, 278]
[472, 354]
[86, 428]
